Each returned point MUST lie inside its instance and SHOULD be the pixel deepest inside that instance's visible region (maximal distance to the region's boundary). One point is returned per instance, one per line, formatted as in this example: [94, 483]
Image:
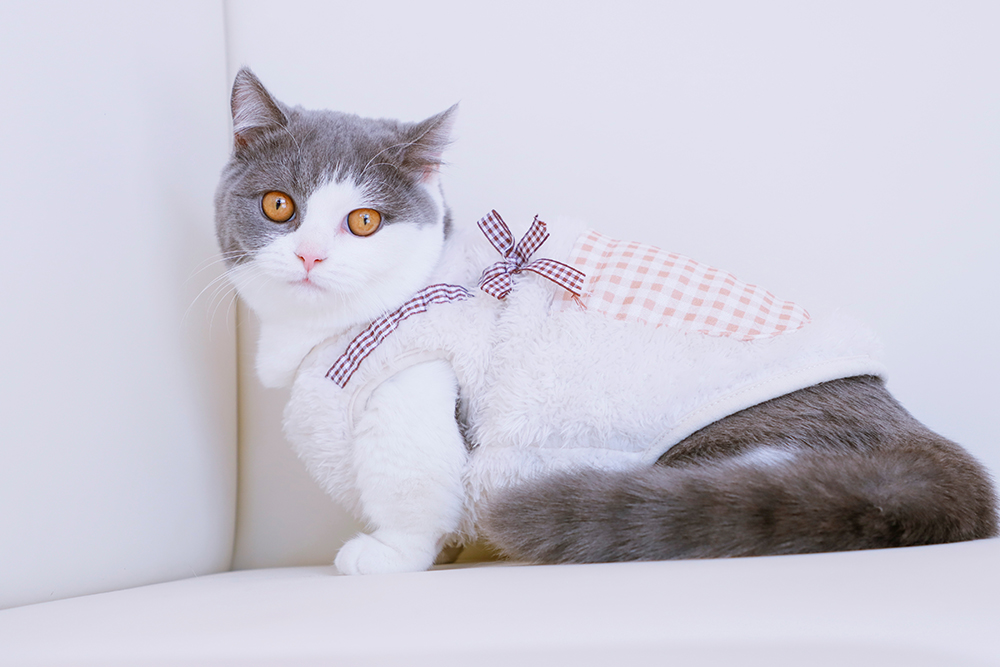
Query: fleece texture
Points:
[546, 388]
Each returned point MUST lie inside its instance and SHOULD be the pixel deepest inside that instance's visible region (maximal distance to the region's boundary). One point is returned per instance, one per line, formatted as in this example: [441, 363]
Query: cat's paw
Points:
[365, 554]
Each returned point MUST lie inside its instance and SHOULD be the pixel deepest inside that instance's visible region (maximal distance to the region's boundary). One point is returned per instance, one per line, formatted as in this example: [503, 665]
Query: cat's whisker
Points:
[244, 282]
[214, 260]
[223, 289]
[228, 289]
[231, 292]
[215, 284]
[229, 296]
[222, 292]
[383, 164]
[405, 144]
[240, 284]
[298, 147]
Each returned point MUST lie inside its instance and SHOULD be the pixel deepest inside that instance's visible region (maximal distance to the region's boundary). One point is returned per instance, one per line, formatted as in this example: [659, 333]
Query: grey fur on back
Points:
[835, 467]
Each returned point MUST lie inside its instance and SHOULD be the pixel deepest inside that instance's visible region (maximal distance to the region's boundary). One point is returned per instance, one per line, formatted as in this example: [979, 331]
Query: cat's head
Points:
[327, 217]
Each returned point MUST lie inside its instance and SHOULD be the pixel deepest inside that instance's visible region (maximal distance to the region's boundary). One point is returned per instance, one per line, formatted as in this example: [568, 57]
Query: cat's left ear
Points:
[426, 143]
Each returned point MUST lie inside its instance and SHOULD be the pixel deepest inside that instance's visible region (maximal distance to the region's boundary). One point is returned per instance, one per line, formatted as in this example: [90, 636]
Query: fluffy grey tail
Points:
[768, 501]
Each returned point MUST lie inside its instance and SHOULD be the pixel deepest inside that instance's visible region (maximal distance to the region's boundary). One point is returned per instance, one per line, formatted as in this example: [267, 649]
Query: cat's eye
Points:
[278, 206]
[364, 221]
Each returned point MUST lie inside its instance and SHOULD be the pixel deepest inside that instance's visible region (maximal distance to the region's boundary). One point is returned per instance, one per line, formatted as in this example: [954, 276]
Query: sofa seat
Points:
[933, 605]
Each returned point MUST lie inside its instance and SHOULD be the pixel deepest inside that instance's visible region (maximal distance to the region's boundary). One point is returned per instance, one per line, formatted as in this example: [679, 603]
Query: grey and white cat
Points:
[555, 433]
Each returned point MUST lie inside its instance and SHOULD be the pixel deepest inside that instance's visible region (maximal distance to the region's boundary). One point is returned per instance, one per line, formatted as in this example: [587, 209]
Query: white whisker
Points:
[229, 290]
[214, 260]
[214, 283]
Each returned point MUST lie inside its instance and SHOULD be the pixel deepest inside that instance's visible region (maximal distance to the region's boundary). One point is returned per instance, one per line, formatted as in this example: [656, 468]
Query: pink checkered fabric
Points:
[496, 280]
[366, 342]
[641, 283]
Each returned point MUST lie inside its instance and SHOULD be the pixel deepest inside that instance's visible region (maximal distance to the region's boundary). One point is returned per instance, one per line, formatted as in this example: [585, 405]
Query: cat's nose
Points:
[309, 259]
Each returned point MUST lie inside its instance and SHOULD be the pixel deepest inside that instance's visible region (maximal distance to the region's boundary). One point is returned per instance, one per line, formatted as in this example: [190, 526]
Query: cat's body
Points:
[576, 437]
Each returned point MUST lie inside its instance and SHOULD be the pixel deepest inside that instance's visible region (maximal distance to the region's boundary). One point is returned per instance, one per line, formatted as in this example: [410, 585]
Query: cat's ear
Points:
[426, 143]
[254, 110]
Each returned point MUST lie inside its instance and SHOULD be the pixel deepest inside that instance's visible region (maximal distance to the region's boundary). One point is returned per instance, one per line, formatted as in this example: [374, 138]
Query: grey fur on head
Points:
[296, 151]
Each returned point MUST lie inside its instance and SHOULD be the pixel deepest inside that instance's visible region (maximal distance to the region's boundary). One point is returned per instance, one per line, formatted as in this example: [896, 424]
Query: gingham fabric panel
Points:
[641, 283]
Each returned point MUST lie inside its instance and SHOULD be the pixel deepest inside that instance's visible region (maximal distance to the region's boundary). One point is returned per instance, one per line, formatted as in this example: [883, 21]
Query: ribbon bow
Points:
[496, 280]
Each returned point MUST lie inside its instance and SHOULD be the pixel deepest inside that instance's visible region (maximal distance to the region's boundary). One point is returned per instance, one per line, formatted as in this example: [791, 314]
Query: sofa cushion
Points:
[917, 606]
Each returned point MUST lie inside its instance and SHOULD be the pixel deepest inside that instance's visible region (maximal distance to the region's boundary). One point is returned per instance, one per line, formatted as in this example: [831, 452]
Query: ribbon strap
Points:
[496, 280]
[366, 342]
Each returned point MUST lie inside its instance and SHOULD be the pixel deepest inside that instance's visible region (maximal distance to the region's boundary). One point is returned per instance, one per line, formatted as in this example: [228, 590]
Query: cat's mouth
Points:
[307, 285]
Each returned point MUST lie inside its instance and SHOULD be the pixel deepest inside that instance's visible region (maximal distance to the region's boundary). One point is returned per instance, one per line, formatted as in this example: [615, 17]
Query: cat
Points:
[440, 406]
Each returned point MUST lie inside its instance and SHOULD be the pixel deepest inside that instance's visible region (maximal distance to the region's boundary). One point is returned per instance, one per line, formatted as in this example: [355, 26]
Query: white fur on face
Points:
[356, 279]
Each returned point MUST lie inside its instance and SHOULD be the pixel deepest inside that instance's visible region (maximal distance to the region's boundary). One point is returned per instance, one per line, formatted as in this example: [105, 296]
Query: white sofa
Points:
[150, 512]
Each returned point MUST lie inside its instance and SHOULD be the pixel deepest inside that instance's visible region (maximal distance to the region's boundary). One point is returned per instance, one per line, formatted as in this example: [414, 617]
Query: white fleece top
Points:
[656, 347]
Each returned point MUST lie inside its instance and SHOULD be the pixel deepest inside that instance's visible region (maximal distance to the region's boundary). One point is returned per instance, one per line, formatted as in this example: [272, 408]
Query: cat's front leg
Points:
[409, 460]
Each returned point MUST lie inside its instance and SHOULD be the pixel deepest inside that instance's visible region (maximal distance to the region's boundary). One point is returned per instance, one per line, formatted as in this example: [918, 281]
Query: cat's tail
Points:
[771, 501]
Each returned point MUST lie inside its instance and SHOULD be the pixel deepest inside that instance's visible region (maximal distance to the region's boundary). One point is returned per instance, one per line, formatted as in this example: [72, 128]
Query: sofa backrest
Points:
[118, 394]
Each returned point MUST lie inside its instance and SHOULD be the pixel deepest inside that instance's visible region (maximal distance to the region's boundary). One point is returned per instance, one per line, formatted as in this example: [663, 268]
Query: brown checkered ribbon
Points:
[496, 280]
[366, 342]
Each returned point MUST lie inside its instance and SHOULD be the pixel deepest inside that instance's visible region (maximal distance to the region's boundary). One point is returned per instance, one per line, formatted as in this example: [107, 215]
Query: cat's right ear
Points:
[254, 110]
[427, 141]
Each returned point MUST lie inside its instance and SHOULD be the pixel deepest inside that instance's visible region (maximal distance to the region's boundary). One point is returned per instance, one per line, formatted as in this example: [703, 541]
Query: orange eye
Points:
[278, 206]
[364, 221]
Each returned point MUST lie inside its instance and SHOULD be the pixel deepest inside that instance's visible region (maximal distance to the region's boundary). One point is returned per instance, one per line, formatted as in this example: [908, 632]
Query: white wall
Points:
[117, 396]
[839, 153]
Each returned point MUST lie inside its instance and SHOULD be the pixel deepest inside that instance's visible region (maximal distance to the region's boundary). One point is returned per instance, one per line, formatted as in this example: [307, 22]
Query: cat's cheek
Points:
[266, 285]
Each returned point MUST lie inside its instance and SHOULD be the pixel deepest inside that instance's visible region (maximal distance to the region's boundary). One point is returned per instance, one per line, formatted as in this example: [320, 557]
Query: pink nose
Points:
[309, 259]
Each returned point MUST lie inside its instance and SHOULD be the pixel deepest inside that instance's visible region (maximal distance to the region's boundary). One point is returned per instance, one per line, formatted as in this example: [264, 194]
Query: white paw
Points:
[366, 554]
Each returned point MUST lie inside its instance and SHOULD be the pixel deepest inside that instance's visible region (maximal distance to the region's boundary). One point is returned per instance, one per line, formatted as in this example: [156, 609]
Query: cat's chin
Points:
[276, 299]
[307, 287]
[311, 295]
